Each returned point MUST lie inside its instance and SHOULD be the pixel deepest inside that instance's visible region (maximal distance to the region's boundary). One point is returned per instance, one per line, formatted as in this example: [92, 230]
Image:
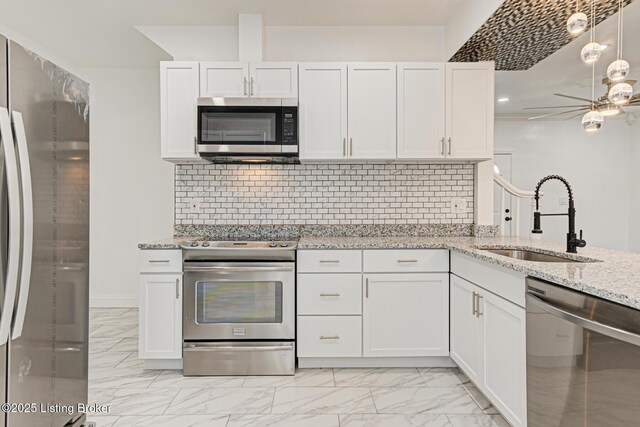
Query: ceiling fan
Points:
[602, 104]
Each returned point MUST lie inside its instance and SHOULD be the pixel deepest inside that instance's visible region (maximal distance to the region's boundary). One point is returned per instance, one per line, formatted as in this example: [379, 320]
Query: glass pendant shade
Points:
[592, 121]
[609, 110]
[618, 70]
[577, 23]
[591, 52]
[621, 93]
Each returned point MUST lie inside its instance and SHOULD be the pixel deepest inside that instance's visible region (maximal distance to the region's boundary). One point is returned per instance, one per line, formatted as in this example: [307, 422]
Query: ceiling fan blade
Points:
[574, 97]
[558, 114]
[574, 116]
[558, 106]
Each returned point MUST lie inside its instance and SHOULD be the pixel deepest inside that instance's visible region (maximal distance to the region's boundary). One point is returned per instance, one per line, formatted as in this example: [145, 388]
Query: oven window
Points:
[238, 302]
[241, 127]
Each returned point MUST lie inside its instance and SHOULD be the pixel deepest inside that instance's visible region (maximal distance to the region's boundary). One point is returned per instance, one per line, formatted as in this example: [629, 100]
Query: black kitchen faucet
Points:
[572, 240]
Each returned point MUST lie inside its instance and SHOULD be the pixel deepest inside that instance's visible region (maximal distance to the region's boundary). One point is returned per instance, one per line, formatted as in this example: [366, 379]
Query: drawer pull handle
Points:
[401, 261]
[154, 261]
[329, 261]
[334, 337]
[329, 295]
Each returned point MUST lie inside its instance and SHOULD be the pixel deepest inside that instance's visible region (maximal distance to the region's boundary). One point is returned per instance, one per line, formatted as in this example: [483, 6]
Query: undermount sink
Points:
[527, 255]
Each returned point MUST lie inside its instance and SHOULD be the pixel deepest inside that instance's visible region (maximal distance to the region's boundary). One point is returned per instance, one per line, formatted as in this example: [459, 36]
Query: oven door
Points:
[228, 130]
[247, 300]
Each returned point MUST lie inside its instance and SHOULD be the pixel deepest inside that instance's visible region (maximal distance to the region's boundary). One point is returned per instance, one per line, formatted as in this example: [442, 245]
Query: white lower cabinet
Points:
[160, 316]
[406, 314]
[373, 307]
[160, 306]
[504, 356]
[488, 339]
[329, 336]
[465, 328]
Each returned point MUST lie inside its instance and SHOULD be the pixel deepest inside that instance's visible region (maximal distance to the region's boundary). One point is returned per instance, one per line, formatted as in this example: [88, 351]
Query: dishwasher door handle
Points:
[601, 328]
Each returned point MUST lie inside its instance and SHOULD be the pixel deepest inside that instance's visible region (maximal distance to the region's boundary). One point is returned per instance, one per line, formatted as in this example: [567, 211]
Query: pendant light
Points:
[578, 22]
[592, 51]
[618, 70]
[593, 120]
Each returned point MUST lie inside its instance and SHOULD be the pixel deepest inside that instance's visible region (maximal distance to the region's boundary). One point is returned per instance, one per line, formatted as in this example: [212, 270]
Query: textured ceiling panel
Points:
[522, 33]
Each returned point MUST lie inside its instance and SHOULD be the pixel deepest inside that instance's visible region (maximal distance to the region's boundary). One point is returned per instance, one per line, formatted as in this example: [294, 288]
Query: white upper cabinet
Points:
[372, 111]
[179, 89]
[323, 111]
[273, 80]
[224, 79]
[244, 80]
[469, 110]
[421, 111]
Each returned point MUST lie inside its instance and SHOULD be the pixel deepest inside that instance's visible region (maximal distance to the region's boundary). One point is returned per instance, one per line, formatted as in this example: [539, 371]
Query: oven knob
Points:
[284, 244]
[205, 244]
[272, 244]
[194, 244]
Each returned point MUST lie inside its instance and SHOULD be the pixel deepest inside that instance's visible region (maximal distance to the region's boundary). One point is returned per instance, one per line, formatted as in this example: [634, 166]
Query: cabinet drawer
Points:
[406, 260]
[329, 336]
[160, 261]
[330, 261]
[329, 294]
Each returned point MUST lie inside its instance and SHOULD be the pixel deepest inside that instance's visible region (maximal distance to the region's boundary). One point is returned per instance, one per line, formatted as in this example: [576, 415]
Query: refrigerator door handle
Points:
[27, 225]
[13, 253]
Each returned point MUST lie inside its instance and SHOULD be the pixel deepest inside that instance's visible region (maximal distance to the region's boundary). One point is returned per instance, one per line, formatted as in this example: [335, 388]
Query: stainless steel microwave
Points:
[236, 130]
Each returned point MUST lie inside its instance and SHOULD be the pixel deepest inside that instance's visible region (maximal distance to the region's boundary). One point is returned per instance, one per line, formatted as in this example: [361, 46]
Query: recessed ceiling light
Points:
[503, 99]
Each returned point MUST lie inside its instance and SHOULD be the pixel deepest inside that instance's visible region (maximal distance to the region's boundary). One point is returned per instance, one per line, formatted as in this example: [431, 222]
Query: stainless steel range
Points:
[239, 308]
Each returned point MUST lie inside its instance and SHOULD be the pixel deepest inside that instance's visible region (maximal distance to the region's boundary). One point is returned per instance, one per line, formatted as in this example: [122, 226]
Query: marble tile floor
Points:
[313, 397]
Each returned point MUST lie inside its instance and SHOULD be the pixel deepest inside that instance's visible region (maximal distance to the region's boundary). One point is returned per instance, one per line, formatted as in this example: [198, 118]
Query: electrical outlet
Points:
[458, 205]
[194, 206]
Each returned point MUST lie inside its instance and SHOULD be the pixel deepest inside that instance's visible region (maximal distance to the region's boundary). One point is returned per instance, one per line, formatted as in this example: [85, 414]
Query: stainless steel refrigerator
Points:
[44, 246]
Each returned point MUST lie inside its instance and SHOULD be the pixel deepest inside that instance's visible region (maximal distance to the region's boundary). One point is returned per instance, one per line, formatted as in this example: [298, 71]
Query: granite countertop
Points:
[611, 275]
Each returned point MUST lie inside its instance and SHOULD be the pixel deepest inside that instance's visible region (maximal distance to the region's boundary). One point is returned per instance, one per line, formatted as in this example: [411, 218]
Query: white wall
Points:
[634, 158]
[131, 187]
[312, 43]
[596, 165]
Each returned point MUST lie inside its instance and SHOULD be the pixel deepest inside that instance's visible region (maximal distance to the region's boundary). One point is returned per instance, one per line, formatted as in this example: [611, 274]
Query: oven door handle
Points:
[232, 348]
[226, 269]
[601, 328]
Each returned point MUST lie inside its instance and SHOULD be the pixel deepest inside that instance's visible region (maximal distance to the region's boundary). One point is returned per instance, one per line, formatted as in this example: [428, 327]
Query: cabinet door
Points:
[372, 111]
[224, 79]
[273, 80]
[323, 111]
[160, 316]
[421, 102]
[465, 328]
[406, 315]
[179, 87]
[470, 96]
[504, 356]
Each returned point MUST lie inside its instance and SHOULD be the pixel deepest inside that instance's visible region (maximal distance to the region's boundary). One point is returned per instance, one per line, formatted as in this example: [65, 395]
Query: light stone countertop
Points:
[611, 275]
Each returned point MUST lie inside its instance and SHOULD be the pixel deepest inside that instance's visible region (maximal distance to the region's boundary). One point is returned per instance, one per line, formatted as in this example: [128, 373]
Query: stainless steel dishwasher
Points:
[583, 359]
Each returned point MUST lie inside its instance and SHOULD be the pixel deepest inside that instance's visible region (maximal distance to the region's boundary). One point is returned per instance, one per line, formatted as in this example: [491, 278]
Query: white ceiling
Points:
[102, 33]
[564, 72]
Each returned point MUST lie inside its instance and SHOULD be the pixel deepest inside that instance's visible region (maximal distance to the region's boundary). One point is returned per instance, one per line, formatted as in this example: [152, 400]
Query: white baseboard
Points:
[162, 363]
[376, 362]
[108, 302]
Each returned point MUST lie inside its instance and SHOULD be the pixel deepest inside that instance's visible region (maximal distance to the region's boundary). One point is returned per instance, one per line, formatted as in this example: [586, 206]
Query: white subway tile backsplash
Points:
[322, 194]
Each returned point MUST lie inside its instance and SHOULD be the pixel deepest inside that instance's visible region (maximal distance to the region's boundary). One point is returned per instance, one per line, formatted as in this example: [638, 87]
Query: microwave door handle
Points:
[13, 196]
[27, 227]
[601, 328]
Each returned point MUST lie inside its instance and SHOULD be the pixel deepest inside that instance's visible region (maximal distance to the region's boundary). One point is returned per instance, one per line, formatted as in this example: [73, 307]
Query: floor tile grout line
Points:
[172, 400]
[275, 390]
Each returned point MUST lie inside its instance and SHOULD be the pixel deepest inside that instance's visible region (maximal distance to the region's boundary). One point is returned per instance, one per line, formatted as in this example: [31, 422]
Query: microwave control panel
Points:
[290, 126]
